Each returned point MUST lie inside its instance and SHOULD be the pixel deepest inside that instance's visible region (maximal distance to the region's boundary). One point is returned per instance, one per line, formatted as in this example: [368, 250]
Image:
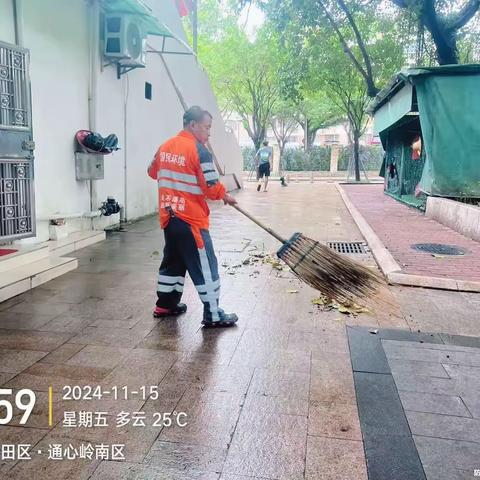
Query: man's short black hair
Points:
[265, 143]
[194, 114]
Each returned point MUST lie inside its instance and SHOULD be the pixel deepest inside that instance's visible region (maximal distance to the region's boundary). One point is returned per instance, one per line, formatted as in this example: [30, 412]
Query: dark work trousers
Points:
[180, 255]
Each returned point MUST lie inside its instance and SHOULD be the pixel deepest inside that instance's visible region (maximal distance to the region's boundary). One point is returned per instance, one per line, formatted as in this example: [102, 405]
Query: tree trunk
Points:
[311, 134]
[305, 135]
[443, 37]
[308, 136]
[356, 154]
[280, 159]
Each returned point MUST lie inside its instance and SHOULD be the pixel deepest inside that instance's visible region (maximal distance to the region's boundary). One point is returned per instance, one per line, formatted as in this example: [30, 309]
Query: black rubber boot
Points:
[226, 320]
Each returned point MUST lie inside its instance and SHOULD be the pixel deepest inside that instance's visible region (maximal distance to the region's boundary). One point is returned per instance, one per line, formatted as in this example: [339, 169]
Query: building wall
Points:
[59, 79]
[56, 33]
[7, 25]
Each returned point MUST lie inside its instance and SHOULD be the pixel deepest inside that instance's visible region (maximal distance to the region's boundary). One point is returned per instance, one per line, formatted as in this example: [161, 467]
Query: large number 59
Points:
[26, 407]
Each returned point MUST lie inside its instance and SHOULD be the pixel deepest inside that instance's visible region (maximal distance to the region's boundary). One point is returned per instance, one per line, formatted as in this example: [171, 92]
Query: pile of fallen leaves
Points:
[326, 304]
[254, 259]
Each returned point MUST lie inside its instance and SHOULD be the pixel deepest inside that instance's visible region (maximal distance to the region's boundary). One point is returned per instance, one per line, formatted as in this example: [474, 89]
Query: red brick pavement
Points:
[399, 226]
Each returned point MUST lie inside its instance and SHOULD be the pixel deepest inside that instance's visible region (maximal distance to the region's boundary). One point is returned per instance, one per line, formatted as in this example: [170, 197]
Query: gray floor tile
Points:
[417, 383]
[413, 367]
[448, 453]
[360, 342]
[379, 405]
[392, 457]
[461, 340]
[434, 472]
[444, 426]
[431, 403]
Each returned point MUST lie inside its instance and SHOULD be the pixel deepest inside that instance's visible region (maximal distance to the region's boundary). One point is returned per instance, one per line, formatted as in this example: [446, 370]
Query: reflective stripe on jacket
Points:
[186, 177]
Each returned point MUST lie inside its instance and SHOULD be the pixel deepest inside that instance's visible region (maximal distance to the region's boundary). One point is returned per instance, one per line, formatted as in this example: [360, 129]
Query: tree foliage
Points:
[244, 73]
[444, 19]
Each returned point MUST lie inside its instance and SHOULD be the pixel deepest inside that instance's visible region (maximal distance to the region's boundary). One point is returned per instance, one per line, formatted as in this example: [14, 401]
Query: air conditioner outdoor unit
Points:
[125, 39]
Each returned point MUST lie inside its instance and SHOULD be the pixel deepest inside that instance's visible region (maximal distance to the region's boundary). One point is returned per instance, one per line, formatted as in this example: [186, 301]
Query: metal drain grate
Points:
[348, 247]
[439, 249]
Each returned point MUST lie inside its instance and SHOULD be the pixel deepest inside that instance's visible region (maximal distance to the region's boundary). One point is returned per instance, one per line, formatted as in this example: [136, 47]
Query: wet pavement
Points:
[273, 398]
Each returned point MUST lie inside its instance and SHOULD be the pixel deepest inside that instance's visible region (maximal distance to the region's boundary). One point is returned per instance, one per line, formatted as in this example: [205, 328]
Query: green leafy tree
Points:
[244, 74]
[283, 123]
[444, 20]
[345, 86]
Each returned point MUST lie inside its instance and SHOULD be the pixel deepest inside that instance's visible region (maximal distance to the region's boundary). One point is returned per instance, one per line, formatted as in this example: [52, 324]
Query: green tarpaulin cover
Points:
[449, 107]
[449, 111]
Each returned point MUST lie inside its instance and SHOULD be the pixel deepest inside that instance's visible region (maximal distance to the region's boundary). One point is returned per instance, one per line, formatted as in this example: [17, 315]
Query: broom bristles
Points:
[335, 276]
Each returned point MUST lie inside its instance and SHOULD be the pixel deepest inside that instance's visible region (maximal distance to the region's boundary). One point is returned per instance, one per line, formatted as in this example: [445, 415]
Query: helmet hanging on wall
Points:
[93, 142]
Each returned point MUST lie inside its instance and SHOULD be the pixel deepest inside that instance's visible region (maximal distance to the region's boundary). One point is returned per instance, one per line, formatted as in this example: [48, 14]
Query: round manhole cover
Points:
[440, 248]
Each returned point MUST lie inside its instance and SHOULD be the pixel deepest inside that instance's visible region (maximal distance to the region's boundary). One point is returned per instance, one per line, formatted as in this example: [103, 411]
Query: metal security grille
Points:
[439, 249]
[14, 91]
[17, 212]
[15, 199]
[348, 247]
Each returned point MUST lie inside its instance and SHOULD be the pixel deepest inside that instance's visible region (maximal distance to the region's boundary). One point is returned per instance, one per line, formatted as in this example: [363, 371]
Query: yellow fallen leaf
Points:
[292, 291]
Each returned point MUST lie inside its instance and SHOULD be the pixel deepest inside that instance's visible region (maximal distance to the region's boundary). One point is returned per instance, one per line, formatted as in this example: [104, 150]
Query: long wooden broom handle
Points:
[260, 224]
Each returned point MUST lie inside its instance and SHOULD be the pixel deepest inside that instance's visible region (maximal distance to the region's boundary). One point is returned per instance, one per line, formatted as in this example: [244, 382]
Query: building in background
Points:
[332, 135]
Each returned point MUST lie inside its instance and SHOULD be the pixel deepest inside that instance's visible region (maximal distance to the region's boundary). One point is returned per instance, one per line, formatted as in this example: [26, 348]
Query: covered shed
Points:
[428, 120]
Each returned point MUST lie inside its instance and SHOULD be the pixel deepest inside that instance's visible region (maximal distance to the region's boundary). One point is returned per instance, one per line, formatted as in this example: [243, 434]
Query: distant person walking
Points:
[262, 161]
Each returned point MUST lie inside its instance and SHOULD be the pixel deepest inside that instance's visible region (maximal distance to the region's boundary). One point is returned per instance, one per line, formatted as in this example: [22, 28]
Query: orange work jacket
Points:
[186, 177]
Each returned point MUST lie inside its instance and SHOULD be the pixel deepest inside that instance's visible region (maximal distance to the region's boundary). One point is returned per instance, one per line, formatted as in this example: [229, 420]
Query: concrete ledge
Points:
[25, 277]
[383, 257]
[462, 218]
[468, 286]
[391, 269]
[439, 283]
[423, 281]
[75, 241]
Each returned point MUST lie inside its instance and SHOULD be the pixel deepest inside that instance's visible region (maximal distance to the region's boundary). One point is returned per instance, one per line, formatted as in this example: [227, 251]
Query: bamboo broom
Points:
[336, 276]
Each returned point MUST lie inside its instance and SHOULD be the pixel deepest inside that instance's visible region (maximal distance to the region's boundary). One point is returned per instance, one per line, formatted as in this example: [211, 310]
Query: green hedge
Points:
[371, 156]
[296, 160]
[248, 154]
[318, 160]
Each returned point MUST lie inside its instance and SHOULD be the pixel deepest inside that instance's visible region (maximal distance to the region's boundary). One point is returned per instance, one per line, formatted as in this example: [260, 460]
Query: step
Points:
[26, 277]
[75, 241]
[23, 256]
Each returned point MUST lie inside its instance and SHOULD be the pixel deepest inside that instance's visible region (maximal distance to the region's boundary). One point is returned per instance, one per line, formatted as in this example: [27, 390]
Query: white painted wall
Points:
[56, 33]
[7, 25]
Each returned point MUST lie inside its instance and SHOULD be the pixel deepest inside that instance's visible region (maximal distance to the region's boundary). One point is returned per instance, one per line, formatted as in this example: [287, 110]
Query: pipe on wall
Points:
[18, 22]
[125, 152]
[57, 216]
[93, 15]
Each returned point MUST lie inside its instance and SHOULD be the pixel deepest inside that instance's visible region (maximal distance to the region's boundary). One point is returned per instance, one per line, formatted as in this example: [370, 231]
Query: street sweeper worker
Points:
[186, 176]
